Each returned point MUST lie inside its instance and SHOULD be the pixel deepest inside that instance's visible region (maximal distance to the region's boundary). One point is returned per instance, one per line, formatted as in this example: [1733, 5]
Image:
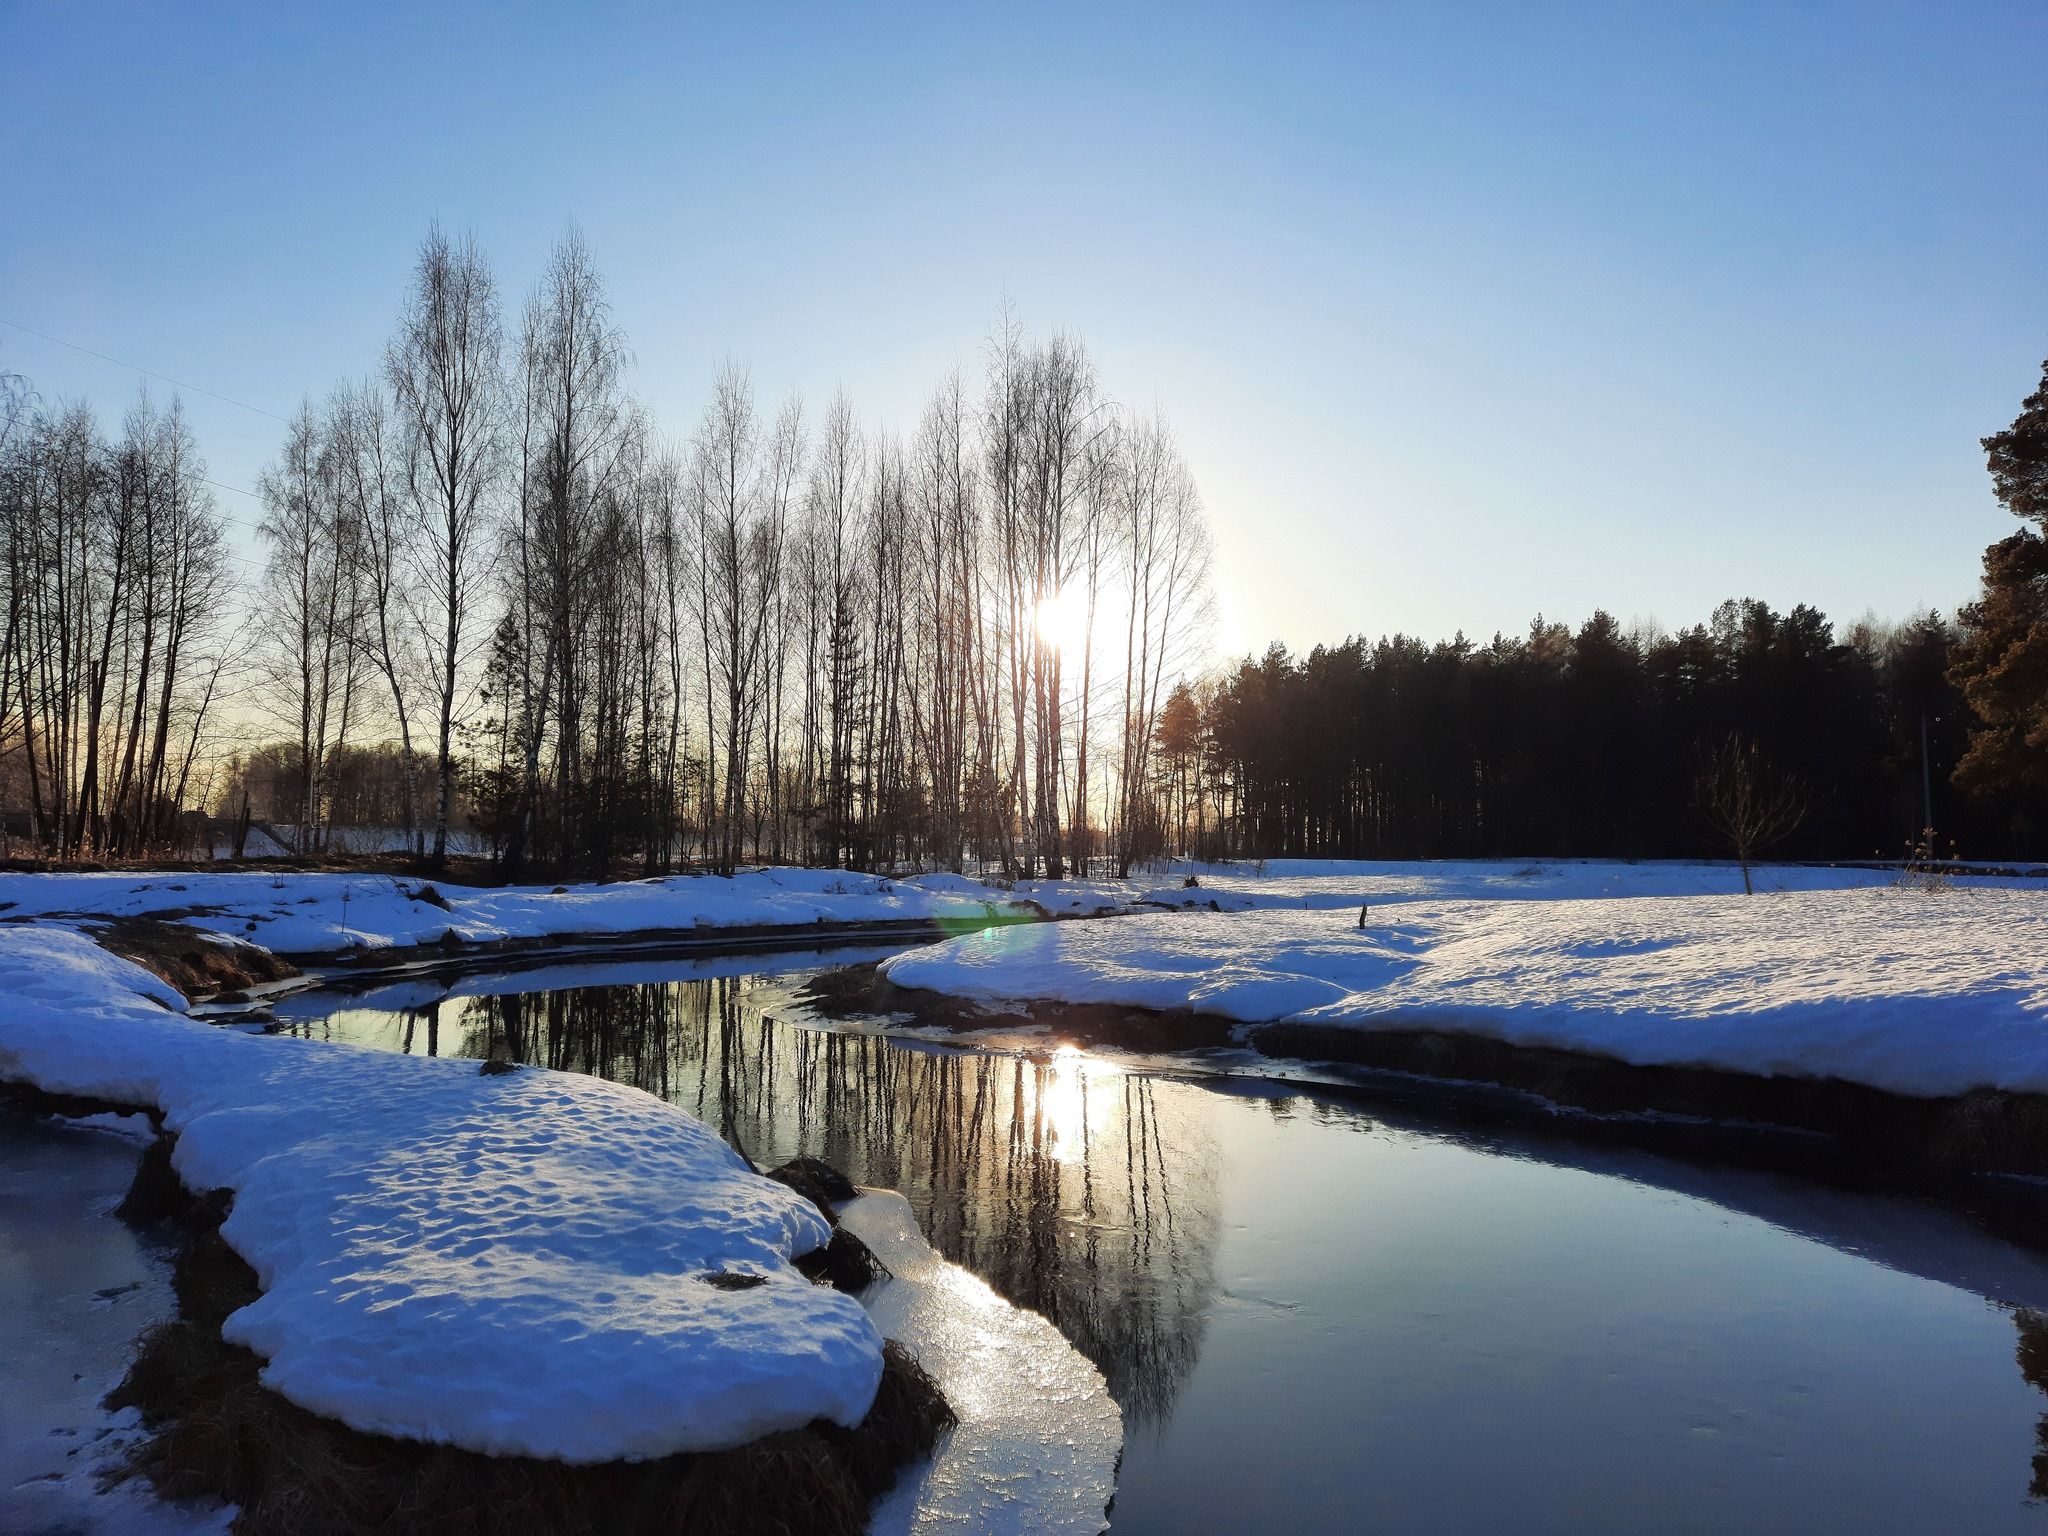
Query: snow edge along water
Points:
[511, 1264]
[1913, 993]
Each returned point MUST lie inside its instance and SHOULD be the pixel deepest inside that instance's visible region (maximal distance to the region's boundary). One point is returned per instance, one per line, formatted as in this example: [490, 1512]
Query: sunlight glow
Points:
[1069, 1117]
[1062, 622]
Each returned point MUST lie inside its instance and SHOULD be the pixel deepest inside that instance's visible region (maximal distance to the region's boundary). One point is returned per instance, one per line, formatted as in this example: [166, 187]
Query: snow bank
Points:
[513, 1264]
[295, 913]
[1914, 992]
[1039, 1439]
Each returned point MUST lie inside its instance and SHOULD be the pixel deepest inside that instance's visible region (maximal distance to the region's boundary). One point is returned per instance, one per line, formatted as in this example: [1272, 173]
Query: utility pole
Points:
[1926, 792]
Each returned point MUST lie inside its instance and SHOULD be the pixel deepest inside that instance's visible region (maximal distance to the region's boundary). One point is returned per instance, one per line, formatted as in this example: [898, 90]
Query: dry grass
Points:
[181, 956]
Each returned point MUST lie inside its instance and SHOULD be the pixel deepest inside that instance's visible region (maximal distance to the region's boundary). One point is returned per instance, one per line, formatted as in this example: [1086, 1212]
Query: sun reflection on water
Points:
[1070, 1113]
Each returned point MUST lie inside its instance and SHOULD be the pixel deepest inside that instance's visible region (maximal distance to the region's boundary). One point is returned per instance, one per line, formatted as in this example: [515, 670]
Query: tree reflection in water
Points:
[1061, 1180]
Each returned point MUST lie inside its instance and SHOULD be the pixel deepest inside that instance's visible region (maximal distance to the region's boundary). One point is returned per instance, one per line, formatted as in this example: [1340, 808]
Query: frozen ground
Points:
[1913, 991]
[516, 1264]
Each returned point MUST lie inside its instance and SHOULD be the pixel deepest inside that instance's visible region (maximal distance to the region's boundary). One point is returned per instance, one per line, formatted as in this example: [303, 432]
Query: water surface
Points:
[1319, 1314]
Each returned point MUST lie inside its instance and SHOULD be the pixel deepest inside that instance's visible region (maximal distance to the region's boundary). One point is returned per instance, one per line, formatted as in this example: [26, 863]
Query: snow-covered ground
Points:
[1335, 883]
[1924, 992]
[516, 1264]
[294, 913]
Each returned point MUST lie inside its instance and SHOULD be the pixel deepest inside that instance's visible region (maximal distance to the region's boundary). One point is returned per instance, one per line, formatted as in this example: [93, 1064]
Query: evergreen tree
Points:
[2001, 661]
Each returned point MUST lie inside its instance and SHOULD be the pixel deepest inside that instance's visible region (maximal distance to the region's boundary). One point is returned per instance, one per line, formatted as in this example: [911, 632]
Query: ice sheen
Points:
[1916, 992]
[1036, 1448]
[512, 1264]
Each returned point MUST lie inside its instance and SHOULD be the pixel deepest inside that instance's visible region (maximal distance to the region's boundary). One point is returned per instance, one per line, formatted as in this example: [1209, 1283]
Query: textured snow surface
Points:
[1038, 1441]
[294, 913]
[1916, 992]
[513, 1264]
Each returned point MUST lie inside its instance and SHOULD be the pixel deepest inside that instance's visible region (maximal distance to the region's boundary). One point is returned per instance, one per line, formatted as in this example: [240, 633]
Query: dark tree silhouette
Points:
[2001, 660]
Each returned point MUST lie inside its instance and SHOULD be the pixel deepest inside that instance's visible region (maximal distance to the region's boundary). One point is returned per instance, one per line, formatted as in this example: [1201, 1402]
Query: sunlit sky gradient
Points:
[1463, 312]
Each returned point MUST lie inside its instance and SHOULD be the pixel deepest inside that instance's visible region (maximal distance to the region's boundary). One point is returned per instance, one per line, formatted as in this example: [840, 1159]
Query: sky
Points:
[1462, 313]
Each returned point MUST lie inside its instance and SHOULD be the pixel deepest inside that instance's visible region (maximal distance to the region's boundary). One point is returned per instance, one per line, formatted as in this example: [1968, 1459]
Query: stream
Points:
[1319, 1313]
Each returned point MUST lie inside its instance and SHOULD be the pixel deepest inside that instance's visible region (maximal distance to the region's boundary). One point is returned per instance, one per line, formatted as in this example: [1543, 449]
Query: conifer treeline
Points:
[1586, 743]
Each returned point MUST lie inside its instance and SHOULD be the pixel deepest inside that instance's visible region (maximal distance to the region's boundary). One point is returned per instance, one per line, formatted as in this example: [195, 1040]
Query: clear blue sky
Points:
[1462, 311]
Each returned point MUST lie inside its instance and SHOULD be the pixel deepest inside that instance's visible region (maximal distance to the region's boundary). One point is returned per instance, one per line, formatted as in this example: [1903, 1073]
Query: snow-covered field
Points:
[294, 913]
[1924, 992]
[1334, 883]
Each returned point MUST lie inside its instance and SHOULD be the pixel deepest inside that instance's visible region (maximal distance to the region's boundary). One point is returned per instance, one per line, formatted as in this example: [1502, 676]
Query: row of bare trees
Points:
[114, 644]
[826, 643]
[779, 637]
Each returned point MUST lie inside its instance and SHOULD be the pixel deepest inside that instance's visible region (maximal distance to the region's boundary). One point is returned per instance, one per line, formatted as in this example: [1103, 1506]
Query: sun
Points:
[1062, 622]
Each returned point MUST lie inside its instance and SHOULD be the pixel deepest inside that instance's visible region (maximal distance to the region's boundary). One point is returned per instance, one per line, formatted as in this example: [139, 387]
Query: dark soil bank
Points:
[196, 965]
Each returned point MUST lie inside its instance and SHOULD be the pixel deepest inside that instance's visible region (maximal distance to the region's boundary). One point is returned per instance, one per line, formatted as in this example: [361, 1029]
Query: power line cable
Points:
[149, 372]
[218, 486]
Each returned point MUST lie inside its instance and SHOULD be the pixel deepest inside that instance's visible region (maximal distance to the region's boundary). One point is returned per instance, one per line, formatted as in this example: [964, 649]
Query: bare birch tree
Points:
[444, 369]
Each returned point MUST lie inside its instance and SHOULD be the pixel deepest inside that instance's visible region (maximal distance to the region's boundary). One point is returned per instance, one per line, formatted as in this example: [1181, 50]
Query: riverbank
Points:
[311, 917]
[1899, 1030]
[217, 1433]
[1276, 1278]
[512, 1268]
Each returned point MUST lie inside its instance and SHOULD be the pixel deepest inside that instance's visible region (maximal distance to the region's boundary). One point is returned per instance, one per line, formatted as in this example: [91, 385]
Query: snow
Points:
[511, 1264]
[1920, 992]
[1036, 1450]
[1337, 883]
[295, 913]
